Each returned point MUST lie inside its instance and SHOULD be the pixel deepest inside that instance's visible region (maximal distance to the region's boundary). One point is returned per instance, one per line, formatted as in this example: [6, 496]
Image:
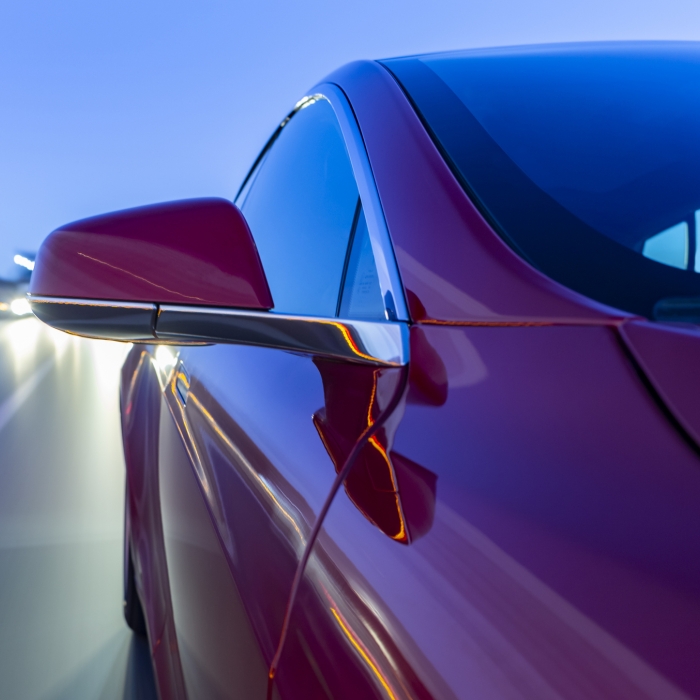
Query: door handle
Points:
[182, 384]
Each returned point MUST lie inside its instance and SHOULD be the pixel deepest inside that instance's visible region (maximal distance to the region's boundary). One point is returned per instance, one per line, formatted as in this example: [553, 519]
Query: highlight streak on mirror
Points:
[139, 277]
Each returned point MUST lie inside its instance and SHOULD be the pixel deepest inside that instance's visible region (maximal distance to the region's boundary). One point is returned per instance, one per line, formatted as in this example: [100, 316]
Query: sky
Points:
[112, 104]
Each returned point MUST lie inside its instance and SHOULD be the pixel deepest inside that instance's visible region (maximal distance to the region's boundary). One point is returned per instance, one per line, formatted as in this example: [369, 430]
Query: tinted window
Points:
[585, 158]
[362, 295]
[300, 209]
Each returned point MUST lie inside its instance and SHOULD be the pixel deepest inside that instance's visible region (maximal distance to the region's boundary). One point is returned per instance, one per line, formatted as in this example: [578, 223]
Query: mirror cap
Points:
[196, 251]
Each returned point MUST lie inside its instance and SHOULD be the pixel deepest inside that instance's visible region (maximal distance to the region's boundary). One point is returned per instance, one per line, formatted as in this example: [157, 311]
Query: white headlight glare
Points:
[20, 307]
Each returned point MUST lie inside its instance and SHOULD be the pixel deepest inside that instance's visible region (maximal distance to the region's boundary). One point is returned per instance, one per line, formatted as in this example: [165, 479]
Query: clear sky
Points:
[107, 104]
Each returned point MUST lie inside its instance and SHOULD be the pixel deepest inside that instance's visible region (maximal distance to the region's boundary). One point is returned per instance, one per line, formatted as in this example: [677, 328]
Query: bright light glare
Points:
[20, 307]
[165, 358]
[22, 337]
[24, 262]
[107, 359]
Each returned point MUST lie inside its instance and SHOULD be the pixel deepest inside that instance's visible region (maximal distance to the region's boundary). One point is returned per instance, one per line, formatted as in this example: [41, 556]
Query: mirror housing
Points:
[103, 277]
[181, 273]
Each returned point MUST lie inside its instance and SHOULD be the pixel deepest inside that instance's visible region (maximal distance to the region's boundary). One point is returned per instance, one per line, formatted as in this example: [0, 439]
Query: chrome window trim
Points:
[373, 342]
[253, 170]
[103, 303]
[382, 247]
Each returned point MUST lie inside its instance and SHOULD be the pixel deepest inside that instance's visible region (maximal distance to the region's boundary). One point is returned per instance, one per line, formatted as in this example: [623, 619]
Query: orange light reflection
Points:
[402, 534]
[351, 342]
[138, 277]
[363, 651]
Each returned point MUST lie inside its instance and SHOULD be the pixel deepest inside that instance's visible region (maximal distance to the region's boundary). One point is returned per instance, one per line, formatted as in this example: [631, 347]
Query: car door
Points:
[245, 466]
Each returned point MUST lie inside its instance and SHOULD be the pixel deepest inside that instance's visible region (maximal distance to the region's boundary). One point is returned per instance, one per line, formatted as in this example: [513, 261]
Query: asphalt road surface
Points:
[62, 635]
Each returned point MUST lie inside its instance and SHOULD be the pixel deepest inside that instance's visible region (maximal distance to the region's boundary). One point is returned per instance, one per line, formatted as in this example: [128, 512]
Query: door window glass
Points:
[362, 295]
[301, 208]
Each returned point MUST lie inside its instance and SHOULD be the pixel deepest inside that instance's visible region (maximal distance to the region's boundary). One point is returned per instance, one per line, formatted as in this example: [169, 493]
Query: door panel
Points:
[261, 473]
[560, 555]
[219, 654]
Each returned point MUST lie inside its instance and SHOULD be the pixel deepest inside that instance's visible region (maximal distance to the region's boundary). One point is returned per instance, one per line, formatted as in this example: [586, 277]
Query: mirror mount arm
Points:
[373, 342]
[368, 342]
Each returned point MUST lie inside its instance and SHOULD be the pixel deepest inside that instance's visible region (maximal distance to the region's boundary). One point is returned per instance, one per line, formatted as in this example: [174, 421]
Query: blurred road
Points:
[62, 635]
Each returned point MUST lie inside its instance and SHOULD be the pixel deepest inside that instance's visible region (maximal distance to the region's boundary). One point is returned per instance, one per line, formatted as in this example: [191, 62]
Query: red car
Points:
[418, 416]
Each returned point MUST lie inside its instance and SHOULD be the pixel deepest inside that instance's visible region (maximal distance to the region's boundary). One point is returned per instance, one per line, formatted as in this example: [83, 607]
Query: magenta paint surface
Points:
[196, 251]
[562, 556]
[670, 356]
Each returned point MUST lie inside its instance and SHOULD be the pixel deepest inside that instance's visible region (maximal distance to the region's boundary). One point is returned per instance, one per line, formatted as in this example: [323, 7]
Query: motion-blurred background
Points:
[117, 103]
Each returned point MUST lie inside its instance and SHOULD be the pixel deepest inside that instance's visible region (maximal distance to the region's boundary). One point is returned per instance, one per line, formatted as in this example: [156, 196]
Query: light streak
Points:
[371, 399]
[351, 342]
[249, 467]
[23, 261]
[364, 653]
[138, 277]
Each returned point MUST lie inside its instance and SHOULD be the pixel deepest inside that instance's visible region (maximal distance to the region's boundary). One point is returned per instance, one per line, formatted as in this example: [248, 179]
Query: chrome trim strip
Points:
[387, 268]
[374, 342]
[109, 320]
[32, 298]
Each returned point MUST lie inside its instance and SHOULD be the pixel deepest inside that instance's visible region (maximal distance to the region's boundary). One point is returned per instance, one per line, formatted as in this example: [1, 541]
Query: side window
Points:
[361, 294]
[301, 209]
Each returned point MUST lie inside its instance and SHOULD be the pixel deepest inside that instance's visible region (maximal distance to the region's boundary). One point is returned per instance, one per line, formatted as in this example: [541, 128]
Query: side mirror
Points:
[103, 277]
[185, 272]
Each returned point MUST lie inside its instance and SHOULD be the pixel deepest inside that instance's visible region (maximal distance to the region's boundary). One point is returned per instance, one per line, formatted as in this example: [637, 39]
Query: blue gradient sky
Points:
[106, 105]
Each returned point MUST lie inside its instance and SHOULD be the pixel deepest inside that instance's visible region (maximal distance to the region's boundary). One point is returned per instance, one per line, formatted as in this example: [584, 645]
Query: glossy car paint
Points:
[264, 475]
[559, 560]
[141, 396]
[526, 525]
[668, 355]
[190, 252]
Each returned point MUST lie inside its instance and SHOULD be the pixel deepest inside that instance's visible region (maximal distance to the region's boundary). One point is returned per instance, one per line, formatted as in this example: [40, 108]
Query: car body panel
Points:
[562, 556]
[140, 411]
[668, 355]
[217, 645]
[262, 469]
